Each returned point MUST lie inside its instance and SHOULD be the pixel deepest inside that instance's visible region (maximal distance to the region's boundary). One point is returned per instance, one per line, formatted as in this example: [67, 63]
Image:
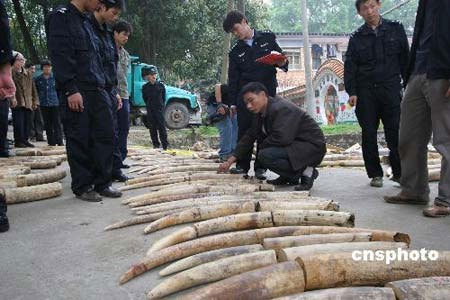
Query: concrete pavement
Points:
[57, 249]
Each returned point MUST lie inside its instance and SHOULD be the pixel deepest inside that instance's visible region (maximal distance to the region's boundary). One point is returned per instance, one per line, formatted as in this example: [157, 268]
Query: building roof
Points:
[297, 93]
[334, 65]
[291, 79]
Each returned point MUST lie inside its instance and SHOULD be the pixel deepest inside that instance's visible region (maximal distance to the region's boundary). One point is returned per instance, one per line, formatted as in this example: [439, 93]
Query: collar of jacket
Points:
[256, 35]
[75, 10]
[366, 29]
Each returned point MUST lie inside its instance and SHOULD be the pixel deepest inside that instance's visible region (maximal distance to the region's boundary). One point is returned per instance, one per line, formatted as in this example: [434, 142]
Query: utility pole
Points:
[241, 6]
[309, 99]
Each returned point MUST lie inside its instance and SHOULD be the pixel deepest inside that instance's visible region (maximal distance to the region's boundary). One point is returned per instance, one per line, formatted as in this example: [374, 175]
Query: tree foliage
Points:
[333, 16]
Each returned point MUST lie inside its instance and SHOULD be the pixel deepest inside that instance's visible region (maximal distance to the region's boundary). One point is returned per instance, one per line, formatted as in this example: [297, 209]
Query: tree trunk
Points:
[226, 48]
[25, 32]
[241, 6]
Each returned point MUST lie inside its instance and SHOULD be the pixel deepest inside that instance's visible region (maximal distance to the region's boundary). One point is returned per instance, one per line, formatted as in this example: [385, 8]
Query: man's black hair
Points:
[255, 88]
[119, 4]
[233, 17]
[358, 3]
[45, 62]
[123, 26]
[28, 65]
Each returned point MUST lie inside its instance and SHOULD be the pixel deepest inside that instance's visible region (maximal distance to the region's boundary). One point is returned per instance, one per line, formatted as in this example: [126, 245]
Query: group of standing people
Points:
[90, 67]
[378, 65]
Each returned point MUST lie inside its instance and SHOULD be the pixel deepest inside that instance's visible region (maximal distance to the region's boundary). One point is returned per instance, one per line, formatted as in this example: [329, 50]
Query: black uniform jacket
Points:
[439, 58]
[74, 49]
[110, 55]
[376, 59]
[154, 96]
[244, 69]
[285, 125]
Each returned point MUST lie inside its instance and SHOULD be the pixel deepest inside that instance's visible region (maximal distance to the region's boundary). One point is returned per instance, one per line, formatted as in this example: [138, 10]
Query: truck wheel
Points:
[176, 116]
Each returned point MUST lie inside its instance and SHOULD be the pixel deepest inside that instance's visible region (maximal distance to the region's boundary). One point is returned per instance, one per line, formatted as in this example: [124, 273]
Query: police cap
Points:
[148, 71]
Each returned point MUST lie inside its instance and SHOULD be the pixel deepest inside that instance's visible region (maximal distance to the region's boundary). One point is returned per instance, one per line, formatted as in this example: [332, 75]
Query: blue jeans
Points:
[123, 124]
[228, 135]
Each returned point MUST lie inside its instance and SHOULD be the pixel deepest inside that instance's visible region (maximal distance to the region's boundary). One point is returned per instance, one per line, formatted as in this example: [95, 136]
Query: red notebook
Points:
[271, 59]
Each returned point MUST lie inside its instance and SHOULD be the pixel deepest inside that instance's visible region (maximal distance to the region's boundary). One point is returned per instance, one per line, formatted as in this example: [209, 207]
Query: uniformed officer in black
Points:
[74, 49]
[154, 94]
[108, 13]
[243, 68]
[376, 62]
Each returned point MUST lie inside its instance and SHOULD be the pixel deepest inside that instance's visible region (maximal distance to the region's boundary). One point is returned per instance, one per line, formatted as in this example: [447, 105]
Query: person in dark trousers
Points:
[426, 109]
[291, 142]
[154, 94]
[375, 66]
[49, 103]
[122, 31]
[218, 105]
[243, 68]
[7, 89]
[36, 132]
[108, 13]
[74, 50]
[23, 103]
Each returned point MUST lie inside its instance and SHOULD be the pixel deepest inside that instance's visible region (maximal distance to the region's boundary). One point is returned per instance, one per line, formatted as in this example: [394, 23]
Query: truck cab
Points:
[181, 107]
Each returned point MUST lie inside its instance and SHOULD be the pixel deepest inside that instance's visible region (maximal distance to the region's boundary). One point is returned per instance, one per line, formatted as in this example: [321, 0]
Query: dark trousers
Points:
[123, 124]
[52, 122]
[4, 109]
[157, 126]
[277, 160]
[89, 141]
[117, 157]
[244, 120]
[375, 104]
[21, 124]
[36, 124]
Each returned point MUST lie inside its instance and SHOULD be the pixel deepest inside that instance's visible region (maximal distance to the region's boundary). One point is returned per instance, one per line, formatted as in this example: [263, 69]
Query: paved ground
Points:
[57, 249]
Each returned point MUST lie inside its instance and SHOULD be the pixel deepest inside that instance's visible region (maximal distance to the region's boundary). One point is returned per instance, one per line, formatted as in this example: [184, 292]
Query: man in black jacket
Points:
[251, 45]
[291, 142]
[375, 63]
[7, 89]
[154, 94]
[426, 109]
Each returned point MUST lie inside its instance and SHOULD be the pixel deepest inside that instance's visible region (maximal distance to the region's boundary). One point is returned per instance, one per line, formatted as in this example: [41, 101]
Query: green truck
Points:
[182, 107]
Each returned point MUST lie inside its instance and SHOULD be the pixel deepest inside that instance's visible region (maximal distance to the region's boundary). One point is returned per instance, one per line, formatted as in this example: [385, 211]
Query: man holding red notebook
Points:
[249, 64]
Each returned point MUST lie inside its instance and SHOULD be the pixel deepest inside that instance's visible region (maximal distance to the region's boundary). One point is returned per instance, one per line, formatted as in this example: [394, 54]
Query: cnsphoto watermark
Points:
[400, 254]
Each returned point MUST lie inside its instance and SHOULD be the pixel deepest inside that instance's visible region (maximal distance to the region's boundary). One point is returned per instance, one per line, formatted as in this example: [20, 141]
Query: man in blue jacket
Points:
[49, 103]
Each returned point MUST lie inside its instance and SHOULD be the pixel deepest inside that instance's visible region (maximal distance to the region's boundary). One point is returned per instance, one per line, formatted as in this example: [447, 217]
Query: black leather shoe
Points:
[111, 192]
[237, 170]
[90, 196]
[124, 166]
[4, 223]
[282, 181]
[260, 174]
[306, 183]
[120, 177]
[20, 145]
[5, 154]
[28, 144]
